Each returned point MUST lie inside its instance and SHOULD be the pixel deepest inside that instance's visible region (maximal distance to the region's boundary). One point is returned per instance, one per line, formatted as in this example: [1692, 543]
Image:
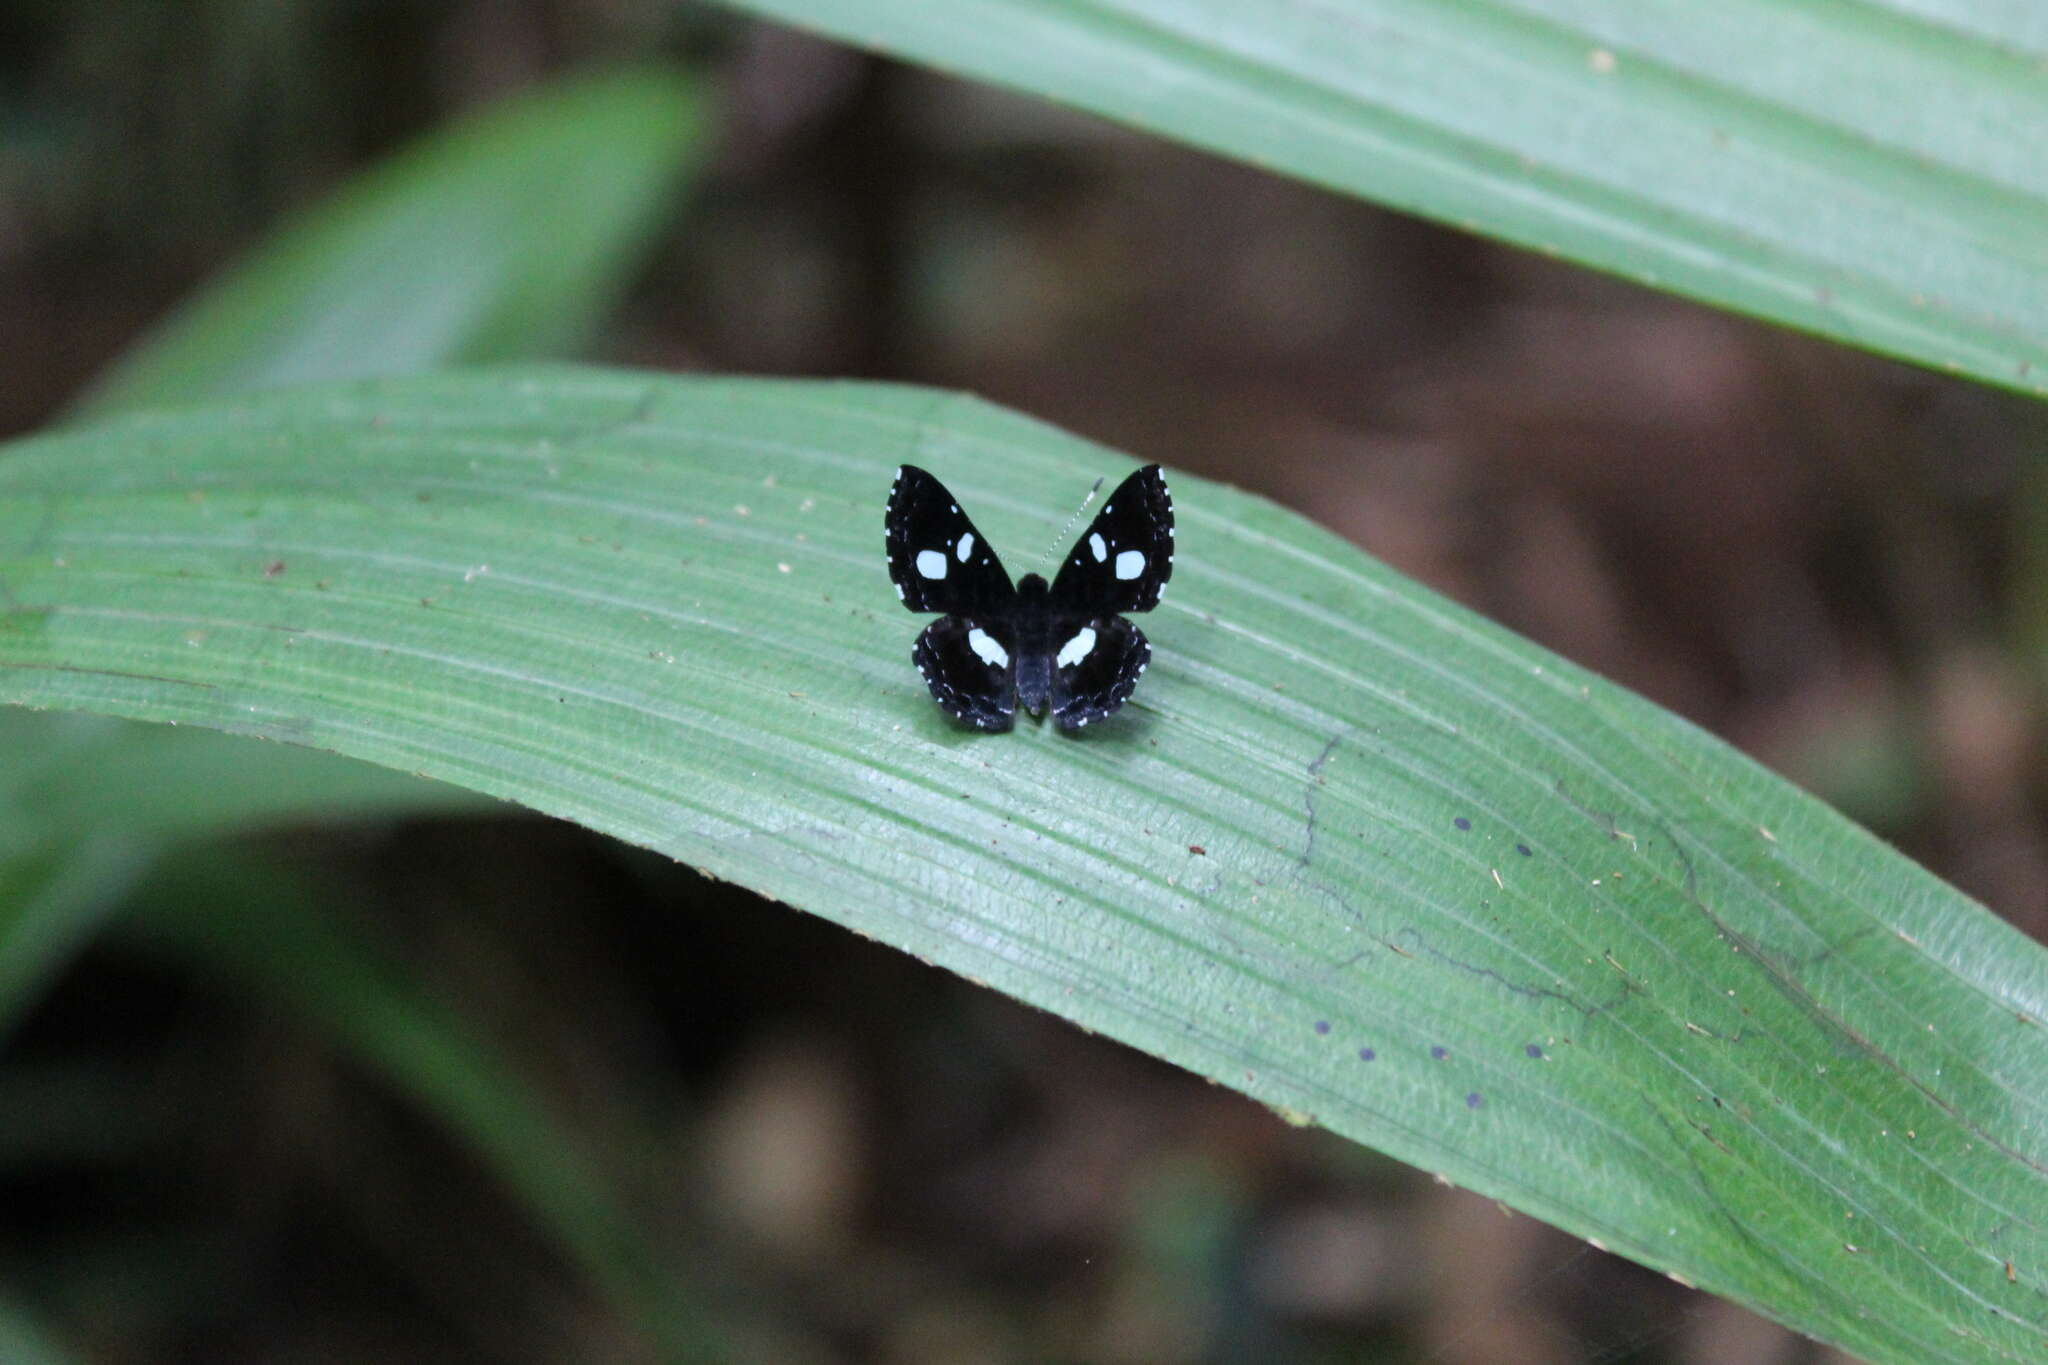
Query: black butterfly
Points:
[1063, 645]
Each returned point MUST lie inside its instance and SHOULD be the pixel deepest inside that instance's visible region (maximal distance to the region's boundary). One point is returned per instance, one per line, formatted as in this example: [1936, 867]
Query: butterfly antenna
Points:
[1061, 538]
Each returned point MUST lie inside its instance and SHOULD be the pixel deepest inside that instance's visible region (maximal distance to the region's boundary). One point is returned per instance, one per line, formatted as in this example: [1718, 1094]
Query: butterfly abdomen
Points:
[1034, 644]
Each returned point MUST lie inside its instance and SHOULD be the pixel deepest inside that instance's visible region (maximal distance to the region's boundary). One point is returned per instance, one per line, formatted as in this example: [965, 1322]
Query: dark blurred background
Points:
[1834, 562]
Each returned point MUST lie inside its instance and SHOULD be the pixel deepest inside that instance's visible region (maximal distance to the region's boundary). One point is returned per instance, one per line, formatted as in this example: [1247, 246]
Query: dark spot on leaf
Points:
[1366, 1054]
[1322, 1026]
[1439, 1052]
[1462, 823]
[24, 620]
[1473, 1100]
[273, 568]
[1522, 849]
[1198, 850]
[1533, 1050]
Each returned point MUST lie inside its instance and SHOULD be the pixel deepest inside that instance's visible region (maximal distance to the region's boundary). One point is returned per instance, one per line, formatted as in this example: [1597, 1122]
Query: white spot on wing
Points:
[931, 563]
[1096, 547]
[965, 547]
[986, 649]
[899, 592]
[1129, 564]
[1076, 649]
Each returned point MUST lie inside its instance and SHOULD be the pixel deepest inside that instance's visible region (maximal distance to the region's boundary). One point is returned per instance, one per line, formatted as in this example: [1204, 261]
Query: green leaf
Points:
[52, 900]
[86, 803]
[70, 776]
[264, 928]
[503, 237]
[22, 1339]
[1604, 968]
[1868, 171]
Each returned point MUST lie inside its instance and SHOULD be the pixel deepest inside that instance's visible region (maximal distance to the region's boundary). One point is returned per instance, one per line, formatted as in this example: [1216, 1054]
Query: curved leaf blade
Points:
[1350, 849]
[501, 237]
[1866, 171]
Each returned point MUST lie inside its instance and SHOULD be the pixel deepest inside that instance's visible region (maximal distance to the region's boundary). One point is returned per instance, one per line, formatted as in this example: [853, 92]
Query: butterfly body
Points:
[1061, 646]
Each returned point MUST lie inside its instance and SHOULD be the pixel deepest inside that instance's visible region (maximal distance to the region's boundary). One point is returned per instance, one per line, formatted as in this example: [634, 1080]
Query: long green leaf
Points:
[1350, 849]
[1870, 170]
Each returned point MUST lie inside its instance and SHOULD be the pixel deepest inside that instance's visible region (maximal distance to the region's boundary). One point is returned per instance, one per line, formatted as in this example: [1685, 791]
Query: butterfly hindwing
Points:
[937, 559]
[1122, 561]
[1095, 668]
[971, 668]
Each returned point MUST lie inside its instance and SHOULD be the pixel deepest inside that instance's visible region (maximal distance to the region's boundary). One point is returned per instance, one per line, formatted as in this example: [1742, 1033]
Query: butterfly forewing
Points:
[937, 560]
[1122, 561]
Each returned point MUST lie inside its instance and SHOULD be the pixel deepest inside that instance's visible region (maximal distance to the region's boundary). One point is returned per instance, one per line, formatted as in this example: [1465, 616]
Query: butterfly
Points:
[1065, 645]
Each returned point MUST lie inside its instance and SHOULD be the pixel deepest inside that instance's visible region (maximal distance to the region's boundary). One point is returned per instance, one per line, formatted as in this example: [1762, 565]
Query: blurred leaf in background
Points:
[1867, 172]
[22, 1342]
[507, 236]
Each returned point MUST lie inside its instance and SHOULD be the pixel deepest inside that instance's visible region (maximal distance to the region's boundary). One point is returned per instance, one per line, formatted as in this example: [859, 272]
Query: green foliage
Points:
[1870, 172]
[1602, 967]
[22, 1342]
[1606, 969]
